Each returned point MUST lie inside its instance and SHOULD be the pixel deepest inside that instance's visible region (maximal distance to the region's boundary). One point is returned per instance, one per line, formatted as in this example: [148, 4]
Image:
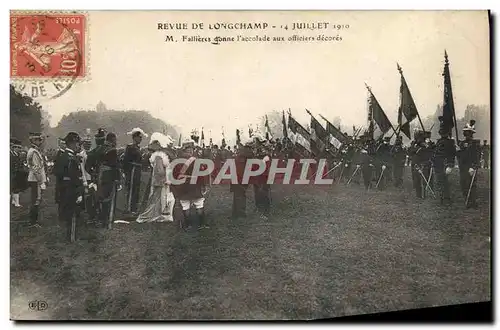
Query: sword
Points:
[427, 182]
[73, 229]
[129, 204]
[333, 168]
[380, 178]
[341, 172]
[113, 205]
[470, 188]
[352, 176]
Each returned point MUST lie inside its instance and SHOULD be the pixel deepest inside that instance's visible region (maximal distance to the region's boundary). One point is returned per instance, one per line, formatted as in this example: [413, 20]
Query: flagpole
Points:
[446, 63]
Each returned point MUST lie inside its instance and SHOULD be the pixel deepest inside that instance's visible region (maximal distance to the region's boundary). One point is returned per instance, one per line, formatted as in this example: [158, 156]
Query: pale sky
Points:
[199, 84]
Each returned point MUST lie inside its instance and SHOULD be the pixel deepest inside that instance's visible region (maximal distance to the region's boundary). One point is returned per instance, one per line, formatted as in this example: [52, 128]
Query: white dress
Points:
[161, 200]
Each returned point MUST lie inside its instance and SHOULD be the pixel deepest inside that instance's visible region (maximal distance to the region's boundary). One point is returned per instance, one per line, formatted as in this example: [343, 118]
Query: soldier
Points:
[486, 154]
[57, 192]
[132, 165]
[443, 162]
[92, 168]
[239, 190]
[37, 177]
[383, 155]
[468, 154]
[367, 164]
[18, 173]
[106, 159]
[190, 194]
[414, 151]
[262, 190]
[398, 161]
[68, 171]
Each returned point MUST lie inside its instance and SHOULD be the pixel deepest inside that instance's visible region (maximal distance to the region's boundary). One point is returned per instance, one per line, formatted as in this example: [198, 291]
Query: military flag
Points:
[319, 135]
[269, 135]
[337, 138]
[449, 117]
[299, 135]
[379, 123]
[238, 138]
[407, 109]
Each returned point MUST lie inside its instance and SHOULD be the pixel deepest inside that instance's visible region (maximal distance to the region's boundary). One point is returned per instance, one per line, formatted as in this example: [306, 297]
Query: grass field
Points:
[326, 251]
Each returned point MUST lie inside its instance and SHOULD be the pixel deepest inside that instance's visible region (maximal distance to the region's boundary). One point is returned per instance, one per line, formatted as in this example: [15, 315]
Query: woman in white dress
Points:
[160, 204]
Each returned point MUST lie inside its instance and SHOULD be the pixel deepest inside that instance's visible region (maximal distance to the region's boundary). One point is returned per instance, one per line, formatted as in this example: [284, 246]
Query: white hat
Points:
[170, 140]
[162, 139]
[137, 130]
[187, 142]
[470, 126]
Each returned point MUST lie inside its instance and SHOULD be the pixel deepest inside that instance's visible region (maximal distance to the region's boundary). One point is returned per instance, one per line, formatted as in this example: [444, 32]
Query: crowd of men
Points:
[87, 179]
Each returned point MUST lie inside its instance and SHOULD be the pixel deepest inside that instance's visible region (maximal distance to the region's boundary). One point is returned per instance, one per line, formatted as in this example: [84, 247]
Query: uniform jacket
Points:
[36, 165]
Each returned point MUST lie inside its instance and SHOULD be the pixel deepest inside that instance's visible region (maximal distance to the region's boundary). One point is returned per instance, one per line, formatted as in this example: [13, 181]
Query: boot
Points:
[201, 219]
[185, 223]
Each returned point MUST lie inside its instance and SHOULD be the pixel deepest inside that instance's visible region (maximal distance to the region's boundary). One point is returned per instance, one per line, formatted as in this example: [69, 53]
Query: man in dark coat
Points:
[132, 168]
[443, 162]
[68, 172]
[468, 154]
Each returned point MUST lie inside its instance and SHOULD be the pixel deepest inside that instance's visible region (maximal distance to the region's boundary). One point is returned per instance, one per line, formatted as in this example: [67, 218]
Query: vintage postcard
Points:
[248, 165]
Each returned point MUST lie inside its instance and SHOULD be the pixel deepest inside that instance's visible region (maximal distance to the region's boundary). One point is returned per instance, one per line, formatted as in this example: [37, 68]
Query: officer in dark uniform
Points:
[398, 161]
[383, 156]
[367, 163]
[92, 167]
[443, 162]
[68, 171]
[239, 190]
[262, 190]
[18, 171]
[414, 151]
[485, 152]
[468, 154]
[57, 192]
[103, 166]
[132, 168]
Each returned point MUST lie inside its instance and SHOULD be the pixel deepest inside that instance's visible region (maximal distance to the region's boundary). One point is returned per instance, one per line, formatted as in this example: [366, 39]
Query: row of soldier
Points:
[89, 178]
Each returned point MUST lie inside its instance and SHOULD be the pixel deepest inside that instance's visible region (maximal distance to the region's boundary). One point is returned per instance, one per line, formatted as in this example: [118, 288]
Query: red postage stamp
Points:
[48, 45]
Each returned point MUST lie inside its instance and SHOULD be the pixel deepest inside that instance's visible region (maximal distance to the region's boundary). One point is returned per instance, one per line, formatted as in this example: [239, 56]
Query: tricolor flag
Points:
[319, 135]
[407, 109]
[379, 123]
[299, 135]
[337, 138]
